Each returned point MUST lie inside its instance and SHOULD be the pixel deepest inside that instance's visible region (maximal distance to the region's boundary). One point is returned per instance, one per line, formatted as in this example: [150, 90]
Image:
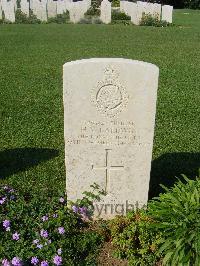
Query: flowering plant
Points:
[37, 230]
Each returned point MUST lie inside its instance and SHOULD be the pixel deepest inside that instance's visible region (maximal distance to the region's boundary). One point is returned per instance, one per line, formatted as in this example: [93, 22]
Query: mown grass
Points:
[31, 111]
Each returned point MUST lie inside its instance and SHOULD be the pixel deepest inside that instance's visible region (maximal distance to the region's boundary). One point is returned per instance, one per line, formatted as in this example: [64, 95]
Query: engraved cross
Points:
[108, 168]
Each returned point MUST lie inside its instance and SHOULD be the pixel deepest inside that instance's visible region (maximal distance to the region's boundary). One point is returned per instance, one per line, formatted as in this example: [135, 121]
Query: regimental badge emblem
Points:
[110, 96]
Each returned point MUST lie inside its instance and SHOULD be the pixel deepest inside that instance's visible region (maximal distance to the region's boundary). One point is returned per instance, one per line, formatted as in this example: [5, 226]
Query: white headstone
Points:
[61, 7]
[141, 9]
[52, 8]
[134, 14]
[122, 6]
[1, 14]
[68, 4]
[25, 7]
[157, 10]
[109, 117]
[167, 13]
[150, 9]
[105, 11]
[40, 9]
[76, 11]
[31, 4]
[9, 10]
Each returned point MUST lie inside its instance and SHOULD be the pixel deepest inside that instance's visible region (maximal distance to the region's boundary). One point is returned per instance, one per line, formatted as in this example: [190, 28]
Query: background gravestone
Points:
[61, 7]
[105, 12]
[134, 14]
[167, 13]
[1, 12]
[109, 116]
[9, 10]
[24, 6]
[77, 11]
[157, 10]
[52, 8]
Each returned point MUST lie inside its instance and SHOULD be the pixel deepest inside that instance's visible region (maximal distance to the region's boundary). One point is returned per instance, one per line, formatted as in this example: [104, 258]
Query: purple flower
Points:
[44, 233]
[61, 230]
[8, 229]
[59, 251]
[34, 260]
[49, 241]
[61, 200]
[45, 218]
[40, 246]
[75, 209]
[55, 215]
[2, 201]
[15, 236]
[57, 260]
[44, 263]
[5, 262]
[83, 210]
[35, 241]
[6, 224]
[16, 261]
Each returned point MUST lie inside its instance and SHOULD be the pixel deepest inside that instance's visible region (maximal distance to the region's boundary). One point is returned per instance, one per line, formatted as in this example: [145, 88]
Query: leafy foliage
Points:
[118, 15]
[149, 20]
[133, 239]
[177, 216]
[21, 18]
[60, 19]
[167, 231]
[115, 3]
[92, 11]
[90, 20]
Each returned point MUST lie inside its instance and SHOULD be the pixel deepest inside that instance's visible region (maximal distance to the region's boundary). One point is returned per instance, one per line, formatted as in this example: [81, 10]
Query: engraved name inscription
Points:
[104, 133]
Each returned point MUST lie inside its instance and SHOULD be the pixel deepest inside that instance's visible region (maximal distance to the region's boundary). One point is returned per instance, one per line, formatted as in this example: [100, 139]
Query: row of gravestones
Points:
[45, 9]
[136, 10]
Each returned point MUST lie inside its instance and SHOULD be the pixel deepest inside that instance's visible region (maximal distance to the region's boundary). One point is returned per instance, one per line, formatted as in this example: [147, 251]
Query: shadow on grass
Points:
[13, 161]
[167, 167]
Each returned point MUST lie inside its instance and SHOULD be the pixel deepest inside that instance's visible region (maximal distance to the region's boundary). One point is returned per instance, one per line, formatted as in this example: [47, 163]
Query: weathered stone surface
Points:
[109, 116]
[167, 13]
[105, 12]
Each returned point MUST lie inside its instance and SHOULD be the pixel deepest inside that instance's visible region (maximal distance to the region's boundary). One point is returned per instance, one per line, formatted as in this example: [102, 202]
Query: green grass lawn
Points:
[31, 110]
